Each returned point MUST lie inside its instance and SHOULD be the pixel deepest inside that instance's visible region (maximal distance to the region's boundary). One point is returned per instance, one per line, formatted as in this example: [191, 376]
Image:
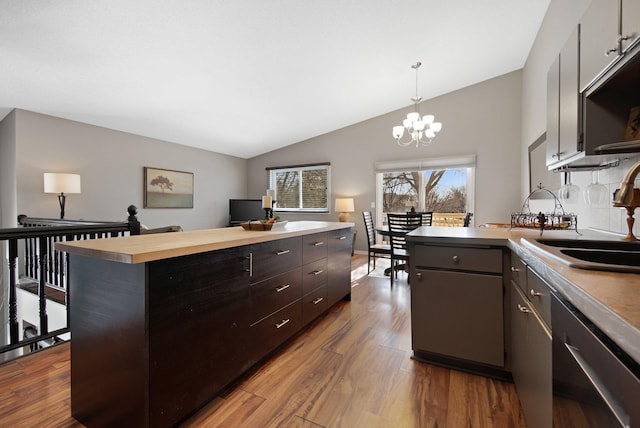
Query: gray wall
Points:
[559, 22]
[482, 119]
[110, 164]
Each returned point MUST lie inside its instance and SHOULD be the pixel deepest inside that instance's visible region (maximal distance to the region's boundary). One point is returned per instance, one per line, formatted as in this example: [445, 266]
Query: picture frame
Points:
[632, 131]
[166, 188]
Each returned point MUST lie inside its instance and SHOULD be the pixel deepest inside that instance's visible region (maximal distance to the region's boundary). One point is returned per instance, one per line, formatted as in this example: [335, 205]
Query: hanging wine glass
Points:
[569, 192]
[596, 194]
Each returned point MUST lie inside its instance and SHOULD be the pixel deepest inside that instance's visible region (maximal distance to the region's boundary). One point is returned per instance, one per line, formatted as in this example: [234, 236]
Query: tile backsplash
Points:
[603, 217]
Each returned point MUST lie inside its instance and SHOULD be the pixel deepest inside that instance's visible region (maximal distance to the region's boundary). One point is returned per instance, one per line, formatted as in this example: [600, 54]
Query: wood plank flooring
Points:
[352, 368]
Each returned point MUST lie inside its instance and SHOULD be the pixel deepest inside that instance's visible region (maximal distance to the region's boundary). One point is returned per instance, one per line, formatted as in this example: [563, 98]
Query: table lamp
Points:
[344, 206]
[61, 183]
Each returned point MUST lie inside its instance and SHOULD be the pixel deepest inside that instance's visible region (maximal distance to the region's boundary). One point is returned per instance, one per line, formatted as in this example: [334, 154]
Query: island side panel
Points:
[108, 347]
[199, 308]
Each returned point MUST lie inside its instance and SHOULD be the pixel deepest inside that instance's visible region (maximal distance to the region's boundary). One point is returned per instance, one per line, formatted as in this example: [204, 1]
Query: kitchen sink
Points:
[616, 256]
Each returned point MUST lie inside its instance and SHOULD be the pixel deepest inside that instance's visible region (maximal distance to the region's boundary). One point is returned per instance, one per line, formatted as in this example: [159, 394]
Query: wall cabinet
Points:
[470, 280]
[563, 103]
[609, 28]
[531, 343]
[154, 341]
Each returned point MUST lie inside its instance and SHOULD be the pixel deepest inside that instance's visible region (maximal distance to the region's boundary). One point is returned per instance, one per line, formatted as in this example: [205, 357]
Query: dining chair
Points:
[399, 226]
[427, 217]
[375, 250]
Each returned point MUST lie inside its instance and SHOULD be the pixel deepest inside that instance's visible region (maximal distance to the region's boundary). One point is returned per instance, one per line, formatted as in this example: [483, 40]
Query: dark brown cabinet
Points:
[154, 341]
[339, 265]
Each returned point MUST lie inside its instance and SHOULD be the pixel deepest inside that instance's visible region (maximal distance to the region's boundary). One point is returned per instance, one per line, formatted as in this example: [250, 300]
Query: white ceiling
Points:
[244, 77]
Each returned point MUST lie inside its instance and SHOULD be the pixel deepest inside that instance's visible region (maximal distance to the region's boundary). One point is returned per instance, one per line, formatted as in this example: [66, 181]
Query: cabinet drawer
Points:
[458, 258]
[270, 295]
[314, 275]
[339, 239]
[275, 257]
[314, 247]
[519, 272]
[272, 331]
[313, 304]
[539, 294]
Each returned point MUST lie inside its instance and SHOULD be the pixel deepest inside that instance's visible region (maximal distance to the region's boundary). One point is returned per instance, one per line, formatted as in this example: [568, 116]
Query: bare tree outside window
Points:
[401, 191]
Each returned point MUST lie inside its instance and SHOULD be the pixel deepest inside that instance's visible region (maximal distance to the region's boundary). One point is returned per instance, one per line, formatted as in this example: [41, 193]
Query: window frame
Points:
[271, 177]
[421, 165]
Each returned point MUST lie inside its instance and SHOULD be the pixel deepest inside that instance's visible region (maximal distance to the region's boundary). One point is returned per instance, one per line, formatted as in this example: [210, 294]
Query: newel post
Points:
[134, 224]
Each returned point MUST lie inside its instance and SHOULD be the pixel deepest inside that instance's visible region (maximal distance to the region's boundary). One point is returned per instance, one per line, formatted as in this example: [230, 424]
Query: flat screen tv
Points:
[241, 210]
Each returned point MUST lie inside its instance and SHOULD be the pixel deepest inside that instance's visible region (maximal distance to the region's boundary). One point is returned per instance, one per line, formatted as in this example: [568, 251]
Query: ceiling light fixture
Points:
[422, 130]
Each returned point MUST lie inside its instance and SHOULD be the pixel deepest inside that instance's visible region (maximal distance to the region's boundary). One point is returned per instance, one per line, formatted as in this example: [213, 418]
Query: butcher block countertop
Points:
[159, 246]
[610, 300]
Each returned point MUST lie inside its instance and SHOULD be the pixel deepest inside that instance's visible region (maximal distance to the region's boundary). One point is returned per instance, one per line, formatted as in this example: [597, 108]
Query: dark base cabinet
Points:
[153, 342]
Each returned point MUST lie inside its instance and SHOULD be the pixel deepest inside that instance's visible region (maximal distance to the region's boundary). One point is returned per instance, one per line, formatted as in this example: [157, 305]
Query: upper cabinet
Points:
[593, 93]
[608, 29]
[630, 34]
[563, 103]
[600, 27]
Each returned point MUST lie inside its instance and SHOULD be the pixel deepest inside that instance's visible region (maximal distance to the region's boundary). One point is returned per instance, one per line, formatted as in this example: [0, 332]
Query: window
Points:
[444, 186]
[301, 188]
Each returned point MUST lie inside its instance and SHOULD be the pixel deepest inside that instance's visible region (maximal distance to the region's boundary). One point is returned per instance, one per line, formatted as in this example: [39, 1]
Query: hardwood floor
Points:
[352, 368]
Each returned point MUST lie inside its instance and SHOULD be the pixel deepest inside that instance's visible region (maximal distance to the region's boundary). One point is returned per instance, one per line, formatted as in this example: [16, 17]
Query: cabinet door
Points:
[458, 315]
[530, 361]
[630, 22]
[198, 330]
[599, 29]
[339, 276]
[569, 98]
[553, 112]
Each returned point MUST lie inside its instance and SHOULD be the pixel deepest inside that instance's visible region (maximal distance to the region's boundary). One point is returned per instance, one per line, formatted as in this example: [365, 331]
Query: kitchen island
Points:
[161, 323]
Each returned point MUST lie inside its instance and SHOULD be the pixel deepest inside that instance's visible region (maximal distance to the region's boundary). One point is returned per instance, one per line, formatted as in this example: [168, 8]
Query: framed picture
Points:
[165, 188]
[632, 132]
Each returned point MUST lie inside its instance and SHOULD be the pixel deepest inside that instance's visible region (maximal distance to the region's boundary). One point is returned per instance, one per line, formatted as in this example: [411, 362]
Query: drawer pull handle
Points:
[317, 300]
[342, 238]
[282, 323]
[535, 293]
[515, 270]
[455, 259]
[523, 309]
[282, 287]
[317, 244]
[317, 272]
[280, 253]
[598, 384]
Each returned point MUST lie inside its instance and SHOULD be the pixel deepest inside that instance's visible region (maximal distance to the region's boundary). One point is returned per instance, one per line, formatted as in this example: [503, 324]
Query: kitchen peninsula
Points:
[527, 312]
[161, 323]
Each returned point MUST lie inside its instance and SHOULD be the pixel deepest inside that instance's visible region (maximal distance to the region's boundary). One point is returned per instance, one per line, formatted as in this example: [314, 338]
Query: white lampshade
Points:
[428, 118]
[398, 132]
[413, 116]
[436, 126]
[61, 183]
[345, 205]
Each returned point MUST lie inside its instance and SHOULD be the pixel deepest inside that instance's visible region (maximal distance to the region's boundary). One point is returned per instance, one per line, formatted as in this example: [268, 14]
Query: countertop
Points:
[610, 300]
[146, 248]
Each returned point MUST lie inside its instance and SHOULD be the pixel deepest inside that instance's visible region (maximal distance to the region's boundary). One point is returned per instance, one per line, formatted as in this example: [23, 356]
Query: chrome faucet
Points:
[628, 197]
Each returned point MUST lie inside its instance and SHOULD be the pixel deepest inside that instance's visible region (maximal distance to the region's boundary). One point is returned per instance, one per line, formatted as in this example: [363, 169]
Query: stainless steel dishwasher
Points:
[595, 384]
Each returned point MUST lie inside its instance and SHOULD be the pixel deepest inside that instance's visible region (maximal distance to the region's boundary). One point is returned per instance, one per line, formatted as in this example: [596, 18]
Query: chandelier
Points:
[421, 130]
